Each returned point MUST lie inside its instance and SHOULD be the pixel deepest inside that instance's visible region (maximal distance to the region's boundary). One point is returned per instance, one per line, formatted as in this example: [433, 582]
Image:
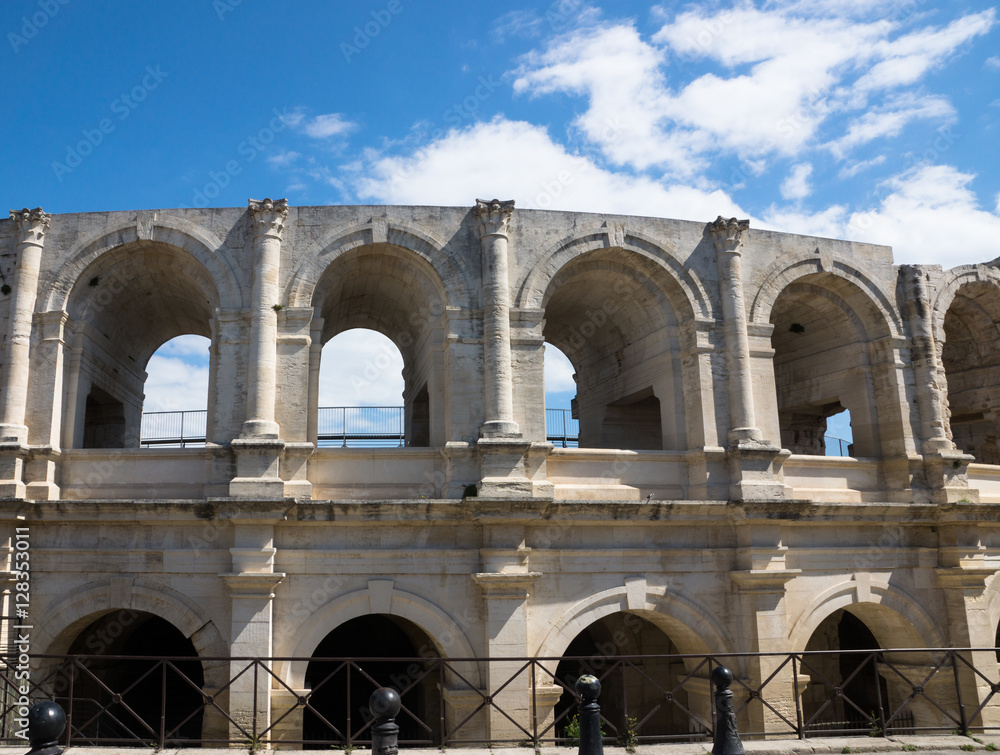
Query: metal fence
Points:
[361, 426]
[561, 428]
[184, 701]
[177, 429]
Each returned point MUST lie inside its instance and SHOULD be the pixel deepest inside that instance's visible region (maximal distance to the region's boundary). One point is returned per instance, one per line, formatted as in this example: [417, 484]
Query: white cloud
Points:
[360, 368]
[932, 216]
[928, 215]
[326, 126]
[788, 75]
[992, 63]
[175, 383]
[558, 372]
[852, 169]
[284, 158]
[890, 119]
[519, 160]
[796, 185]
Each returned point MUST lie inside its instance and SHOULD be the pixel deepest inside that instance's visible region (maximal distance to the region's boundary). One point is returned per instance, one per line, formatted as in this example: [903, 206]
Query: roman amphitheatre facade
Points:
[700, 514]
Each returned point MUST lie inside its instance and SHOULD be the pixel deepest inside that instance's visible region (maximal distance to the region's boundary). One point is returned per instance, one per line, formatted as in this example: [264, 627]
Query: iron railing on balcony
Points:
[178, 429]
[343, 426]
[158, 701]
[561, 428]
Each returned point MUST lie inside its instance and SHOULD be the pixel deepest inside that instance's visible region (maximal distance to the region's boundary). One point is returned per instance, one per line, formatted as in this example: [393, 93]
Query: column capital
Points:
[31, 224]
[268, 216]
[493, 216]
[728, 234]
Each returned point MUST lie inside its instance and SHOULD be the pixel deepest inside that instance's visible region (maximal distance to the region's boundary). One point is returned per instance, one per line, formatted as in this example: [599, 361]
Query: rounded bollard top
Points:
[722, 677]
[588, 687]
[384, 703]
[46, 723]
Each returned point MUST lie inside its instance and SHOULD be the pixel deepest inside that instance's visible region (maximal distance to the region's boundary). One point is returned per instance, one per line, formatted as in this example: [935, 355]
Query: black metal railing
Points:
[358, 426]
[157, 701]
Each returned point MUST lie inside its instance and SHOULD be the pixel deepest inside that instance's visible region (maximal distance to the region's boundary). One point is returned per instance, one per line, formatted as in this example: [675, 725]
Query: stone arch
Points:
[176, 233]
[432, 619]
[880, 310]
[834, 337]
[454, 279]
[60, 622]
[690, 625]
[966, 315]
[952, 281]
[625, 321]
[687, 295]
[889, 612]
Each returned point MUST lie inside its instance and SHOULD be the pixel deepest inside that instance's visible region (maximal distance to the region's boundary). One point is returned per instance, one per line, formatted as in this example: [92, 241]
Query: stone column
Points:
[251, 587]
[946, 467]
[259, 448]
[754, 464]
[31, 228]
[493, 218]
[267, 219]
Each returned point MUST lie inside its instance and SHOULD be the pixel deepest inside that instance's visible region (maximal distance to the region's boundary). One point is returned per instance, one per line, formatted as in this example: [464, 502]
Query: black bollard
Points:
[588, 687]
[384, 705]
[727, 738]
[46, 723]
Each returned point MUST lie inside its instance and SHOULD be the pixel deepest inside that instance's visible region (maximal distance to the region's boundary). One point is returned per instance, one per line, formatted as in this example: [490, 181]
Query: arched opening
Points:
[175, 406]
[562, 418]
[397, 294]
[125, 306]
[119, 698]
[971, 357]
[338, 712]
[642, 697]
[864, 703]
[839, 438]
[611, 316]
[827, 342]
[361, 394]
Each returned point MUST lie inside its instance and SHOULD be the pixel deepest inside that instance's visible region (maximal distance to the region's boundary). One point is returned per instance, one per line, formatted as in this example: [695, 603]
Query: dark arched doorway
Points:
[351, 662]
[863, 705]
[640, 697]
[118, 699]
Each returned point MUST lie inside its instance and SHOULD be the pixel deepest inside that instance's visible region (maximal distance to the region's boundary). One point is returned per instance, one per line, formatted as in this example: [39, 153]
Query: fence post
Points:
[46, 723]
[384, 704]
[588, 687]
[727, 738]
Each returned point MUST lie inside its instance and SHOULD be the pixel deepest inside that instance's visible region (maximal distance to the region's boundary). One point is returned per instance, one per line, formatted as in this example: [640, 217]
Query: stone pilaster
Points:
[32, 226]
[251, 586]
[754, 464]
[493, 225]
[258, 448]
[505, 594]
[945, 466]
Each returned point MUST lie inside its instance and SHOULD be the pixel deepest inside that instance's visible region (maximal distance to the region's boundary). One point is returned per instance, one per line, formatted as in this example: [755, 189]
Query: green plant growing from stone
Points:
[629, 739]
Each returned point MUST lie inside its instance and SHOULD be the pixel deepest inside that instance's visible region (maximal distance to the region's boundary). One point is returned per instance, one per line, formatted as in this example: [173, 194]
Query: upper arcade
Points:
[708, 356]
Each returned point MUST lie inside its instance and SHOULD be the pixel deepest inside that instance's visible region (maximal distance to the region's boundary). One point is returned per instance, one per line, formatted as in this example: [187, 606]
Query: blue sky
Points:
[868, 119]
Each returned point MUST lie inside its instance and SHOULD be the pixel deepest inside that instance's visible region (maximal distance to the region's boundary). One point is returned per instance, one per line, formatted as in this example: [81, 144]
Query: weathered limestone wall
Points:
[708, 358]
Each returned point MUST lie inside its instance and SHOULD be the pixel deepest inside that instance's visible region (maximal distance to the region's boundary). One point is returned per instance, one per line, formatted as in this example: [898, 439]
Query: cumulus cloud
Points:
[326, 126]
[928, 215]
[515, 159]
[796, 186]
[782, 78]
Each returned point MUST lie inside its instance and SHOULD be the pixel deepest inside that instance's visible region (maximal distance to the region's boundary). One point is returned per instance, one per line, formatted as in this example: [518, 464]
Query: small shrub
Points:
[910, 748]
[992, 747]
[846, 750]
[629, 739]
[968, 748]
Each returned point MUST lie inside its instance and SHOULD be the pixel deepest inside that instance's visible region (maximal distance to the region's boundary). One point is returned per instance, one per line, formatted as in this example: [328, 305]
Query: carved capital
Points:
[268, 216]
[728, 234]
[494, 216]
[32, 225]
